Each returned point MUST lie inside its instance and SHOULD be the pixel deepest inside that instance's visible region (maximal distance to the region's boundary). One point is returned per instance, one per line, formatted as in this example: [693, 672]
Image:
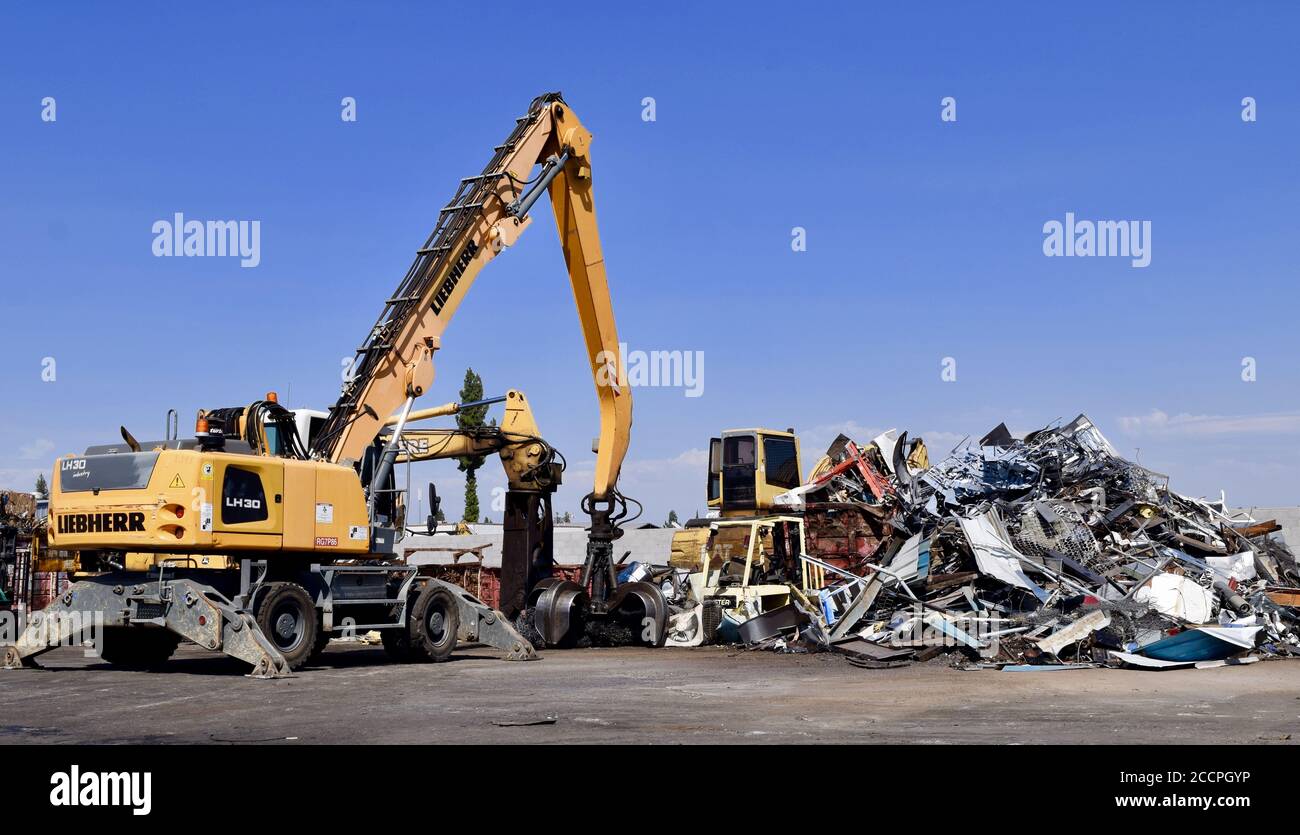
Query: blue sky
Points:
[924, 238]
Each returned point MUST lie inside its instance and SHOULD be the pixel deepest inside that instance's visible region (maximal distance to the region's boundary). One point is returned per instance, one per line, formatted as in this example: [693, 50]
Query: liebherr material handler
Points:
[299, 512]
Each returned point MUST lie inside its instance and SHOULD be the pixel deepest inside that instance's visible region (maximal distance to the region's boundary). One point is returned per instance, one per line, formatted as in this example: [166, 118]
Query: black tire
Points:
[397, 644]
[287, 616]
[434, 622]
[137, 648]
[318, 648]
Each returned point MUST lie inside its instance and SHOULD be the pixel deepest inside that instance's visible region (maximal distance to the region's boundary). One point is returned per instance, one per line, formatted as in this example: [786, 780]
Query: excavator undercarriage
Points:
[135, 619]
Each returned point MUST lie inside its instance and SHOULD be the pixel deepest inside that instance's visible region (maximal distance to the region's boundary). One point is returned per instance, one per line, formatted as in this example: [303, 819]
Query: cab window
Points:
[715, 469]
[738, 464]
[781, 462]
[738, 452]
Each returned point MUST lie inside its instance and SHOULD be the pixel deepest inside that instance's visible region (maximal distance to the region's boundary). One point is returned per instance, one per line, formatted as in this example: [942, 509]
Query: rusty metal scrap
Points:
[1051, 549]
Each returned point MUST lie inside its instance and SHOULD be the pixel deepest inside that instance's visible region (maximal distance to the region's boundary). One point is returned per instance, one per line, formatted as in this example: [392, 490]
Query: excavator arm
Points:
[530, 463]
[488, 212]
[394, 365]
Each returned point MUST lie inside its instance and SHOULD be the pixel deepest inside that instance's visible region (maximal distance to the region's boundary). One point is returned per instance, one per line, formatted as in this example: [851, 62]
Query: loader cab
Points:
[749, 468]
[279, 425]
[309, 423]
[306, 422]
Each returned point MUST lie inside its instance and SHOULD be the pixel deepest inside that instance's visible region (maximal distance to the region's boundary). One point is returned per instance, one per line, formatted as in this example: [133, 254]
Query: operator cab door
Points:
[714, 489]
[739, 470]
[249, 500]
[778, 468]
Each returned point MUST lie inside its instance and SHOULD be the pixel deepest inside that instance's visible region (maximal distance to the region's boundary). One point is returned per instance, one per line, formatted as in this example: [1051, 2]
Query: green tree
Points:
[672, 518]
[468, 420]
[42, 489]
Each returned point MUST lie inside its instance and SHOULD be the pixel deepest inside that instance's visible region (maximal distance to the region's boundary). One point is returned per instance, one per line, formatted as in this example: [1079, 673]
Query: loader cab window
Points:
[280, 437]
[242, 497]
[781, 462]
[715, 469]
[738, 451]
[313, 428]
[275, 440]
[738, 468]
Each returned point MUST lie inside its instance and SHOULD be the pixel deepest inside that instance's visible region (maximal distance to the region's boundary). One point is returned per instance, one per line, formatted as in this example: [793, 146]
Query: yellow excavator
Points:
[759, 501]
[278, 529]
[747, 470]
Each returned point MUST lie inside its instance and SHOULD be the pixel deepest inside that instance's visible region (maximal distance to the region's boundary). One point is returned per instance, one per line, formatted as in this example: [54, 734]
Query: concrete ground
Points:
[638, 696]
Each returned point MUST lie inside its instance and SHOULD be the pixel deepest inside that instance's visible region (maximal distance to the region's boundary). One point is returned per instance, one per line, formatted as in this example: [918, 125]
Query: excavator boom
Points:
[486, 215]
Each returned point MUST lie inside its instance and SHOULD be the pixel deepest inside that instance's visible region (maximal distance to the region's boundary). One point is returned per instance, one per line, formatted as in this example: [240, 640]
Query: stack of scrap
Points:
[1042, 553]
[18, 522]
[849, 499]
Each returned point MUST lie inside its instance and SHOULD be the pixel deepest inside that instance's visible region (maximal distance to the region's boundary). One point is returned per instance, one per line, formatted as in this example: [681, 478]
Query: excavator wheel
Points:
[287, 616]
[137, 648]
[397, 644]
[318, 649]
[435, 620]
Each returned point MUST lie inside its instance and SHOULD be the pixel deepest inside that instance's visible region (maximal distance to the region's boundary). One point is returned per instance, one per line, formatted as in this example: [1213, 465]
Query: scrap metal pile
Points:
[1046, 552]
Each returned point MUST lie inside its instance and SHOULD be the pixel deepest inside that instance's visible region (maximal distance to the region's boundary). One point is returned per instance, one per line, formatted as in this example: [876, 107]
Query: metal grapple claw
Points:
[646, 600]
[561, 608]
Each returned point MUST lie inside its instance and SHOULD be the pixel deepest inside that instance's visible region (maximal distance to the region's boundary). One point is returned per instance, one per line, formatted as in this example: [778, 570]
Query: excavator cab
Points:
[745, 555]
[749, 468]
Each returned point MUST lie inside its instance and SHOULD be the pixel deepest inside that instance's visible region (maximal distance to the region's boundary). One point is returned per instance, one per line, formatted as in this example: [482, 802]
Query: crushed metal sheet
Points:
[1205, 643]
[994, 553]
[1177, 596]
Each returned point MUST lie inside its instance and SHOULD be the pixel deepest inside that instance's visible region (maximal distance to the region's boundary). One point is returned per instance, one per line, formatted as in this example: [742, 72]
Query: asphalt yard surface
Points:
[664, 696]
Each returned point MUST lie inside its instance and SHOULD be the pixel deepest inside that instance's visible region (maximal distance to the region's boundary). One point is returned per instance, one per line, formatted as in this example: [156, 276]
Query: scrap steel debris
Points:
[1048, 552]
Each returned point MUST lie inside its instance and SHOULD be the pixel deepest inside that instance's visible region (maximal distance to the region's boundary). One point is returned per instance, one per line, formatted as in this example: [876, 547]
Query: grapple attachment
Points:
[629, 613]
